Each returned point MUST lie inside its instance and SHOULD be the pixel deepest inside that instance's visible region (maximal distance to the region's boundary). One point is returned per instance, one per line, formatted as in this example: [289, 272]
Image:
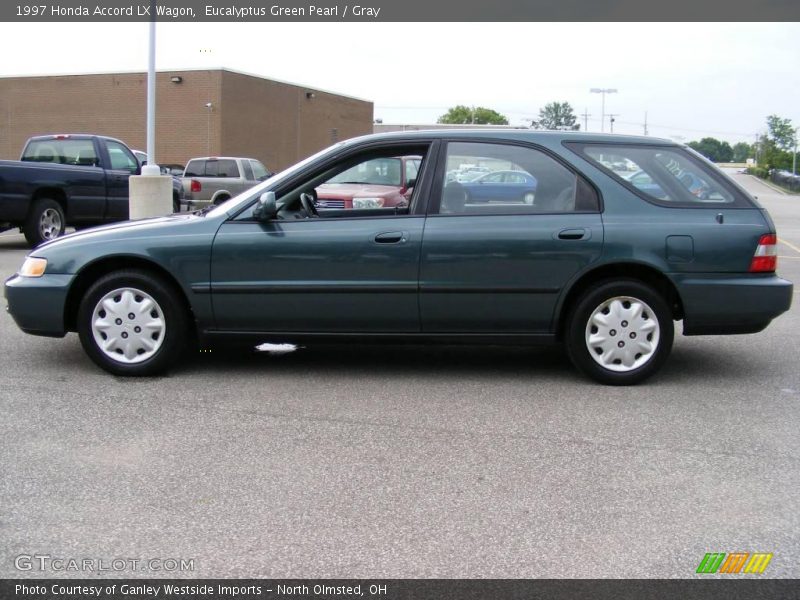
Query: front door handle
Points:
[390, 237]
[574, 234]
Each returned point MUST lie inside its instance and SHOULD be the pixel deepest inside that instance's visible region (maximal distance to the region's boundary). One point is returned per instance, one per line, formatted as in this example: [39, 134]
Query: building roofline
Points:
[189, 70]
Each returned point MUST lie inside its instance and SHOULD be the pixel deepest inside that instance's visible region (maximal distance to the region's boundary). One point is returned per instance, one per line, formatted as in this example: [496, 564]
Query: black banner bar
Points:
[371, 11]
[399, 589]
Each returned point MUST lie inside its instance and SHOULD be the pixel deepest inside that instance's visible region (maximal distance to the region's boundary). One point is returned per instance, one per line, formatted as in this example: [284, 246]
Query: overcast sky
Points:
[692, 79]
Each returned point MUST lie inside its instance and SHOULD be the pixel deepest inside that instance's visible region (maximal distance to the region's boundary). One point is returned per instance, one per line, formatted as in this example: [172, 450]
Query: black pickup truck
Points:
[79, 180]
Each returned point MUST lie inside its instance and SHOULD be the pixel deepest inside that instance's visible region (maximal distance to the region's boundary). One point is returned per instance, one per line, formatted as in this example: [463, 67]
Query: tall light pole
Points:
[151, 96]
[603, 91]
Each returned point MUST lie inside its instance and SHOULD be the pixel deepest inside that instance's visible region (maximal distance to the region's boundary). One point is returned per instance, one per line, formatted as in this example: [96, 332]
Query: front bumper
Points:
[37, 303]
[730, 304]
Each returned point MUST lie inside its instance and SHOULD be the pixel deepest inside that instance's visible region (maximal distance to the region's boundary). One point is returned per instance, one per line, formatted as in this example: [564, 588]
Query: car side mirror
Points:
[267, 207]
[411, 183]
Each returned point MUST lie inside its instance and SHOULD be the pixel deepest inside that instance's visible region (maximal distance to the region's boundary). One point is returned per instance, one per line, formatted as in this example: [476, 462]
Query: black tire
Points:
[651, 332]
[221, 199]
[45, 222]
[135, 286]
[176, 204]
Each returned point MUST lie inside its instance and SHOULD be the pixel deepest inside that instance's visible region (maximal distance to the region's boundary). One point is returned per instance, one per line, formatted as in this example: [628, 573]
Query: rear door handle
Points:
[390, 237]
[574, 234]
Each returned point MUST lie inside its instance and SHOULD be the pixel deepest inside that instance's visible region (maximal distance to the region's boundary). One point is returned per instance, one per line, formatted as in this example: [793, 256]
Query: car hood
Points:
[122, 229]
[342, 190]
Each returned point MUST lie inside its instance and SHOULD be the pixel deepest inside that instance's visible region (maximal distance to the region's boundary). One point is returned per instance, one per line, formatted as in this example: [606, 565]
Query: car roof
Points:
[529, 135]
[221, 158]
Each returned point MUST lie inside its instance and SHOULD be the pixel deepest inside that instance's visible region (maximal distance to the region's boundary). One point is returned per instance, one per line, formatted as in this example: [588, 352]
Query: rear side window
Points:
[506, 179]
[65, 152]
[666, 175]
[226, 168]
[195, 168]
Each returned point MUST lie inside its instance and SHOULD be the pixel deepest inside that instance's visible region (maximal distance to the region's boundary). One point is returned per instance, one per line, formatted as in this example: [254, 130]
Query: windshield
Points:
[378, 171]
[256, 191]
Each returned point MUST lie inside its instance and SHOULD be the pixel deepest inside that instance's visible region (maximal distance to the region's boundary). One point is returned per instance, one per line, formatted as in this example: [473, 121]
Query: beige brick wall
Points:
[250, 116]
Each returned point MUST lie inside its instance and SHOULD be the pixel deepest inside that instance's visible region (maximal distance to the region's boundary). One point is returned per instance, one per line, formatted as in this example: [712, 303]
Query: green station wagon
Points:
[591, 261]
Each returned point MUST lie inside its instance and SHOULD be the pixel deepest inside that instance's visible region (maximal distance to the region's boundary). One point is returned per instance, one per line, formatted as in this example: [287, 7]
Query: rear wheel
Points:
[133, 322]
[620, 332]
[528, 198]
[45, 222]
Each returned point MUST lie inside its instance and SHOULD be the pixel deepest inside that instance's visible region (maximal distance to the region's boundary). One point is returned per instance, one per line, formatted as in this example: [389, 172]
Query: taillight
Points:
[196, 187]
[765, 259]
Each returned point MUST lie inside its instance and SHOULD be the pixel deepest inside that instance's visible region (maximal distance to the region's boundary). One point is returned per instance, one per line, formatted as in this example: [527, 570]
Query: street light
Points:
[603, 91]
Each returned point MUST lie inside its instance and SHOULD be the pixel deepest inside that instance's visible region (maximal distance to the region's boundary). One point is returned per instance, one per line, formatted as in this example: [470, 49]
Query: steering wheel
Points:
[307, 200]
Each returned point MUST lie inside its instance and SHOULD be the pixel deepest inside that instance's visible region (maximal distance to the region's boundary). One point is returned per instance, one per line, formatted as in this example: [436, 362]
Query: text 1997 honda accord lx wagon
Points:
[591, 260]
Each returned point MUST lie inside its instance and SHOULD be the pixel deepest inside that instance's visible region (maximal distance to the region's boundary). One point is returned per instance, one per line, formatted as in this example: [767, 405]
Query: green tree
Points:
[742, 151]
[773, 149]
[781, 132]
[713, 149]
[464, 115]
[557, 115]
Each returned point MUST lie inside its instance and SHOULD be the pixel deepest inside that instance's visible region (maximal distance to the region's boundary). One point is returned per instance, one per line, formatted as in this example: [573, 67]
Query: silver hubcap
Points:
[622, 334]
[50, 224]
[128, 325]
[528, 198]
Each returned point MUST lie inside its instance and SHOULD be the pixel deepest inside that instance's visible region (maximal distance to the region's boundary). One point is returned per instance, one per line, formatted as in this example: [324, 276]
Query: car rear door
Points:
[499, 265]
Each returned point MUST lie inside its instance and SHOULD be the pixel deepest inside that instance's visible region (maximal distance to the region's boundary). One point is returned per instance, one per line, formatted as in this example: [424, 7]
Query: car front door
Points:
[499, 265]
[346, 271]
[122, 164]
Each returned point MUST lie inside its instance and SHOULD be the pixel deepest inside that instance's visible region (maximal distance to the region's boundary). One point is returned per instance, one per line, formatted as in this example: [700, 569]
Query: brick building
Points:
[198, 113]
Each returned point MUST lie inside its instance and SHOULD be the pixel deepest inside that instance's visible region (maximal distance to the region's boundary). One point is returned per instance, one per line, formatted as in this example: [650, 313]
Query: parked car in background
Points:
[595, 263]
[384, 182]
[215, 179]
[177, 181]
[501, 186]
[66, 179]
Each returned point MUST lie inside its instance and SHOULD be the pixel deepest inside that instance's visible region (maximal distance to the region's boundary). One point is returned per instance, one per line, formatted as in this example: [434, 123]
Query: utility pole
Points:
[586, 116]
[645, 122]
[611, 120]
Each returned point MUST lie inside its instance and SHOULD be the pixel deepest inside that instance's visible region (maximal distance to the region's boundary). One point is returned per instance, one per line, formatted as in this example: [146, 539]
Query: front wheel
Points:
[132, 323]
[620, 332]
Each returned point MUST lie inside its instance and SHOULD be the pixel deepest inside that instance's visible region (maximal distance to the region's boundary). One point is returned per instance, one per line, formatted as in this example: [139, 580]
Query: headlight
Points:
[367, 202]
[33, 267]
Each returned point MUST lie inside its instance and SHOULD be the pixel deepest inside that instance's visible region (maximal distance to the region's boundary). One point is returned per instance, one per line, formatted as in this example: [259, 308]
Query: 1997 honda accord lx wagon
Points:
[590, 261]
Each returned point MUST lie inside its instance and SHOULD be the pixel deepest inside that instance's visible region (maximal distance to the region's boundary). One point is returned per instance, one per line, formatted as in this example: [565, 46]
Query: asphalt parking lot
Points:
[406, 462]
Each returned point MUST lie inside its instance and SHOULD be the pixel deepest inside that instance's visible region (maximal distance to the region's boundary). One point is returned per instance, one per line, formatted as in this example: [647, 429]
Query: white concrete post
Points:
[150, 194]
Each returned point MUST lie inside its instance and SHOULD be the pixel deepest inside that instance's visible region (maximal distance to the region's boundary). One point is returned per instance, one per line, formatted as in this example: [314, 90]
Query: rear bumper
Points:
[37, 303]
[730, 304]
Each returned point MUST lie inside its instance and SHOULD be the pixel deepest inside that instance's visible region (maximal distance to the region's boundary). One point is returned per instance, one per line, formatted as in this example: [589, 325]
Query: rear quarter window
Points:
[665, 175]
[195, 168]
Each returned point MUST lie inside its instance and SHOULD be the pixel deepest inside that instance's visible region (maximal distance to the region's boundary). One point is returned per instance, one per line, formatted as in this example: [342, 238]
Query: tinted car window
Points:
[248, 170]
[195, 168]
[512, 180]
[227, 168]
[68, 152]
[667, 175]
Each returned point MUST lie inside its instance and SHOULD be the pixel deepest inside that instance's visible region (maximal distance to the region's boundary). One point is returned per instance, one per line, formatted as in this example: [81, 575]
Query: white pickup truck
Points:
[214, 179]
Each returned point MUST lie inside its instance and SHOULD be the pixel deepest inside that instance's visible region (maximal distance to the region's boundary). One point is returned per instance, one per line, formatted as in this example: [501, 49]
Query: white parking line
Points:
[790, 244]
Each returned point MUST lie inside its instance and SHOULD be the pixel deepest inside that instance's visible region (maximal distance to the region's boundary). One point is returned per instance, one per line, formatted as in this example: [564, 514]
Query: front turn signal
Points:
[33, 267]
